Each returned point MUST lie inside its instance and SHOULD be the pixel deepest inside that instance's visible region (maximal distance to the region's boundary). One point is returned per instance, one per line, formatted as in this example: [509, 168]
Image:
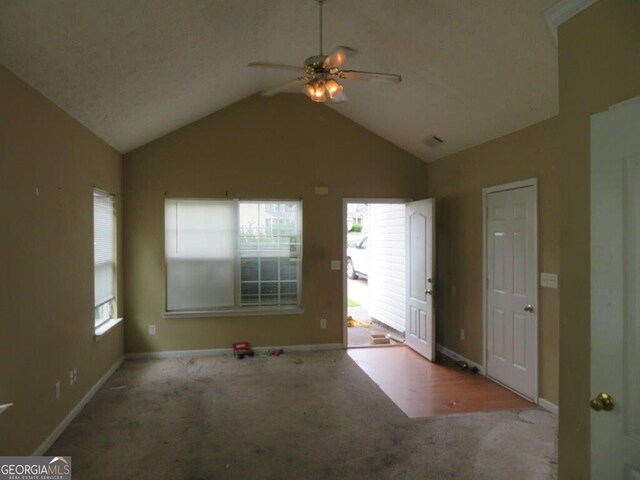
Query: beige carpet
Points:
[309, 415]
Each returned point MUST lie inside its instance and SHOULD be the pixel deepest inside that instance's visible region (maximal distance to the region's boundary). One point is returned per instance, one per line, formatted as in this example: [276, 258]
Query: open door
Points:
[615, 293]
[420, 267]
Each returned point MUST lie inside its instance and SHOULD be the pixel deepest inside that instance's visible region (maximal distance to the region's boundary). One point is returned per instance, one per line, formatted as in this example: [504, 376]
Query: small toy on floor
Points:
[242, 349]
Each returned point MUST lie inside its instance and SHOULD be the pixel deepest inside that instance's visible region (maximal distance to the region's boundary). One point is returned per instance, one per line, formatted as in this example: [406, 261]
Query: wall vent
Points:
[433, 141]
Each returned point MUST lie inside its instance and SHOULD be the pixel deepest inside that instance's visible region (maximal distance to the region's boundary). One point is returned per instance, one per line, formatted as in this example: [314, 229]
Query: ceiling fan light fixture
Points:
[316, 90]
[333, 88]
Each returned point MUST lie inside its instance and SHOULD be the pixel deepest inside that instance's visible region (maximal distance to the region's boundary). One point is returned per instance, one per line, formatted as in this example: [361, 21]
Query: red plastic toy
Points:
[242, 349]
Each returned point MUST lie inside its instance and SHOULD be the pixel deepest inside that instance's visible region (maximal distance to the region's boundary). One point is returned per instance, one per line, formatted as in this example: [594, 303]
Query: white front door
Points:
[615, 293]
[512, 327]
[420, 266]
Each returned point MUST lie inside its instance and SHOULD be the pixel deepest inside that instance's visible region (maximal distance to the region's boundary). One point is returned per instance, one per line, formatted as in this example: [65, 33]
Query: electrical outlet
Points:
[323, 323]
[57, 390]
[462, 334]
[75, 375]
[152, 329]
[71, 377]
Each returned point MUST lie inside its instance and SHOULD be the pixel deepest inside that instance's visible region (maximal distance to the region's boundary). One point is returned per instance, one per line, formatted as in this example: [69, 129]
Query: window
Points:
[224, 255]
[104, 256]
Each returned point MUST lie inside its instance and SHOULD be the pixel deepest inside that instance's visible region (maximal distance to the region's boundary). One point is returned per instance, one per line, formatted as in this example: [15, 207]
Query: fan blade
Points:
[278, 66]
[339, 98]
[298, 82]
[370, 76]
[338, 56]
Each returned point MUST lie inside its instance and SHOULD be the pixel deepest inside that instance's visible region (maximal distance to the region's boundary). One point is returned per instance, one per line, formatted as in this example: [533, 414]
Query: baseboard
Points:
[76, 410]
[548, 406]
[459, 358]
[229, 351]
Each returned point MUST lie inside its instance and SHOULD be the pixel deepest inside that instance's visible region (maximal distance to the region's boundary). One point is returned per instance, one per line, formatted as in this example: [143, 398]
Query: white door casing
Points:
[420, 333]
[615, 291]
[511, 287]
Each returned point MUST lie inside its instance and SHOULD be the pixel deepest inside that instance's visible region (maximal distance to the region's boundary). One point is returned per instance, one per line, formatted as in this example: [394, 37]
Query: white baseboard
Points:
[460, 358]
[76, 410]
[548, 406]
[229, 351]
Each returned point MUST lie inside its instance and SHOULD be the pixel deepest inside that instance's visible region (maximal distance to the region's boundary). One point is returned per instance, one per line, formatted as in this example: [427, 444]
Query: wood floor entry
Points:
[423, 389]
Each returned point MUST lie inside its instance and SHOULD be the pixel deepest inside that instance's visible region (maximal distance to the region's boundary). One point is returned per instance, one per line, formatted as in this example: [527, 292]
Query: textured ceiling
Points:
[133, 70]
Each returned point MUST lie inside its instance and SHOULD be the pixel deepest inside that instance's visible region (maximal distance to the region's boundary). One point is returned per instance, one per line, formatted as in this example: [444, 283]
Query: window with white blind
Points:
[224, 255]
[104, 256]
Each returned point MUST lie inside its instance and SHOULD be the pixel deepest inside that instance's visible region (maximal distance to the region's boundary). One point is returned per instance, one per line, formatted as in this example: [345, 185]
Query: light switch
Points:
[335, 264]
[549, 280]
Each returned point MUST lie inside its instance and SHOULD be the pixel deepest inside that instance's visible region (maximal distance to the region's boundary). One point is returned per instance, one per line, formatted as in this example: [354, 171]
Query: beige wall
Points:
[457, 182]
[259, 148]
[599, 52]
[46, 243]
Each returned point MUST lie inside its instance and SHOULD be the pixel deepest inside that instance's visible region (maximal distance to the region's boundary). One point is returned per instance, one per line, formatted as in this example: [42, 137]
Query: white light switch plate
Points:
[335, 264]
[549, 280]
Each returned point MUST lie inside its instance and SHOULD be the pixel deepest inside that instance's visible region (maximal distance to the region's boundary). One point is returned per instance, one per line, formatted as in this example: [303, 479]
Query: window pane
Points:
[270, 234]
[269, 268]
[249, 268]
[289, 269]
[250, 293]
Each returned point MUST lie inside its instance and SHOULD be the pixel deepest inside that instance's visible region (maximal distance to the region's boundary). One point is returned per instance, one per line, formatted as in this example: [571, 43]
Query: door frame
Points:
[345, 202]
[529, 182]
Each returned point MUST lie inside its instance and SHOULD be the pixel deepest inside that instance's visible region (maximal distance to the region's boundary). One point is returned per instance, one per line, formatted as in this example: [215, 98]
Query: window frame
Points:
[238, 309]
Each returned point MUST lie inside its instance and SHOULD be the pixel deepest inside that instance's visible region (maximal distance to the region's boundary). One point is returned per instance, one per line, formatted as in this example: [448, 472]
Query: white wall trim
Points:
[459, 358]
[562, 10]
[548, 406]
[530, 182]
[76, 410]
[228, 351]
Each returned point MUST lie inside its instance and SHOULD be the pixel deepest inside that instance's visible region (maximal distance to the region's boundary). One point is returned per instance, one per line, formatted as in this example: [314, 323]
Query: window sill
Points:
[105, 327]
[235, 312]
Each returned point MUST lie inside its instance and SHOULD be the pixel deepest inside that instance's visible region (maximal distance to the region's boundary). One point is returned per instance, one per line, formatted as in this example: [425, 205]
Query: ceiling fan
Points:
[318, 77]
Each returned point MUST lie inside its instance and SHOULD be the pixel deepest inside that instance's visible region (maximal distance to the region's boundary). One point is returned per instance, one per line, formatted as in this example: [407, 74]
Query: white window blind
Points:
[104, 257]
[224, 254]
[200, 248]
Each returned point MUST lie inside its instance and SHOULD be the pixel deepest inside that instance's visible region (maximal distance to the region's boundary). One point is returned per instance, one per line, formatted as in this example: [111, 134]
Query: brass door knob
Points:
[528, 308]
[603, 401]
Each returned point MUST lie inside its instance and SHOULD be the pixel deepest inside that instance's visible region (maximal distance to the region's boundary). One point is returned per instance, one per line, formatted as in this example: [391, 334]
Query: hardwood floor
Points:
[423, 389]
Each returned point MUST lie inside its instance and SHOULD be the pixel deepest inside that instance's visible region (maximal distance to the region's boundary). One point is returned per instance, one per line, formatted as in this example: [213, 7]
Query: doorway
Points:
[511, 294]
[375, 271]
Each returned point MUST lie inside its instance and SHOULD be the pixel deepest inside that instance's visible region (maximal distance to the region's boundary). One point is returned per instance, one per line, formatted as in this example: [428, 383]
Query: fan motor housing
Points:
[314, 65]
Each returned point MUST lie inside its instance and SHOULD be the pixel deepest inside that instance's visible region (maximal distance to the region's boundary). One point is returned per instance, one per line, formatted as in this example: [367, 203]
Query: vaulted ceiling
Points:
[134, 70]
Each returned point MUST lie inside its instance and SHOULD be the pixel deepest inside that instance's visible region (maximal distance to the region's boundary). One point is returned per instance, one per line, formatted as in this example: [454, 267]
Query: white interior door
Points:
[615, 293]
[420, 256]
[512, 327]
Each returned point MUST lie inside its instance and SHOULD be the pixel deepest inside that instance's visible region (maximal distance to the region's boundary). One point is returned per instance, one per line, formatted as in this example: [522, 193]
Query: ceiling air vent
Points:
[433, 141]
